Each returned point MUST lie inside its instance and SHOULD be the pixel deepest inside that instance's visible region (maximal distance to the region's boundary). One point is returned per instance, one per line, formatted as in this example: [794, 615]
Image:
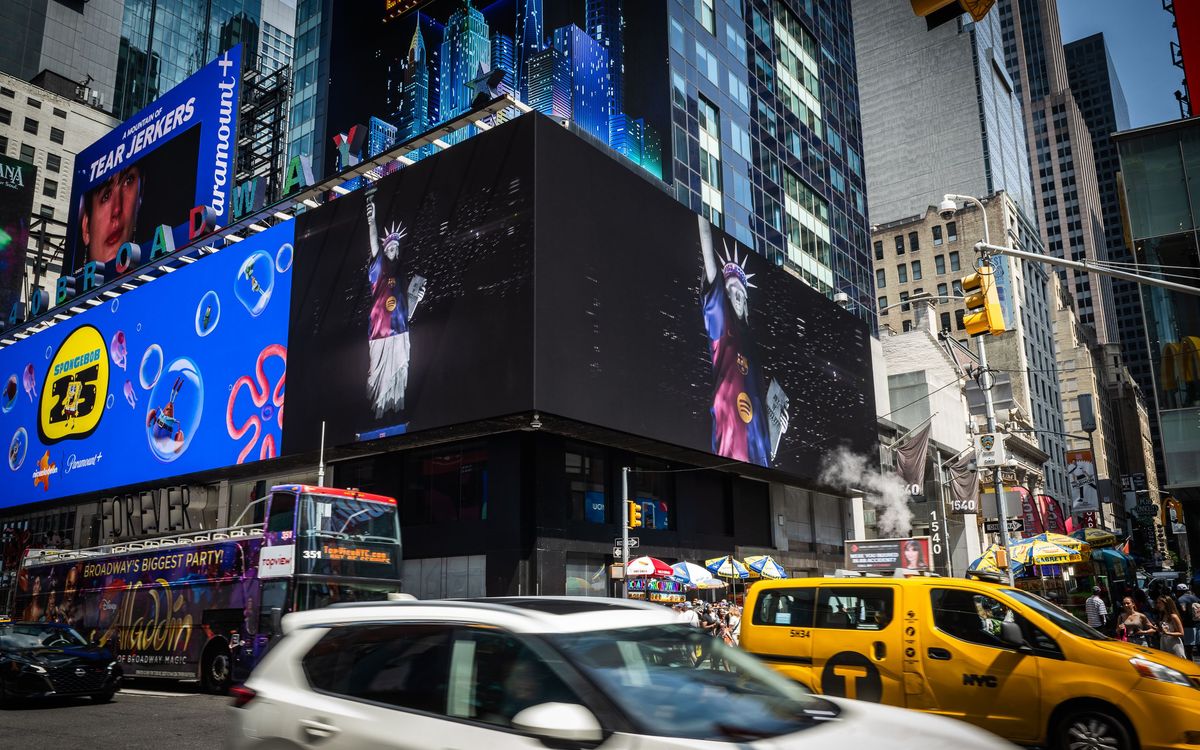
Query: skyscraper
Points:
[606, 25]
[939, 113]
[414, 96]
[587, 62]
[1060, 155]
[549, 83]
[504, 58]
[465, 47]
[530, 38]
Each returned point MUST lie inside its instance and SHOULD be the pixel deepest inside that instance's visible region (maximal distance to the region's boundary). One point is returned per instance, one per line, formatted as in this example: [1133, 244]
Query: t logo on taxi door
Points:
[849, 674]
[980, 680]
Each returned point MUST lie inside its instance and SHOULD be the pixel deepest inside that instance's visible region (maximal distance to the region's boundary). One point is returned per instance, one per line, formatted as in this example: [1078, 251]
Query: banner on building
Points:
[1030, 512]
[964, 485]
[911, 458]
[1052, 514]
[154, 169]
[180, 375]
[17, 180]
[911, 553]
[1081, 473]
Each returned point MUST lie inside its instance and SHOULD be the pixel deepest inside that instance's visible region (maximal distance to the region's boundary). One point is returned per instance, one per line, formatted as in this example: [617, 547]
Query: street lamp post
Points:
[948, 207]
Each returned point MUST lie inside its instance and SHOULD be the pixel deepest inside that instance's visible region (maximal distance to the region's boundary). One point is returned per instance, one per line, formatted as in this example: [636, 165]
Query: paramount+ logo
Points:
[75, 387]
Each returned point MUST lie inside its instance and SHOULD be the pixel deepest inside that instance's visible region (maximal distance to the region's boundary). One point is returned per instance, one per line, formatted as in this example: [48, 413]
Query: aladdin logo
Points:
[74, 463]
[227, 85]
[74, 388]
[45, 469]
[12, 176]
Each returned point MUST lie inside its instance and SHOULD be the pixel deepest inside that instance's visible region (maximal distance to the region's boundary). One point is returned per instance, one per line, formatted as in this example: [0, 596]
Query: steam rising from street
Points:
[886, 493]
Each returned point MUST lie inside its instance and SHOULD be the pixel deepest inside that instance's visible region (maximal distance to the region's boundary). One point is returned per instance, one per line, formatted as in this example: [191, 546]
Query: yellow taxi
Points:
[995, 656]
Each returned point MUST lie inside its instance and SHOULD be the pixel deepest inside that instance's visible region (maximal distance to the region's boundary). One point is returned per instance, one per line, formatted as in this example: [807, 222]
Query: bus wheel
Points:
[215, 668]
[1093, 729]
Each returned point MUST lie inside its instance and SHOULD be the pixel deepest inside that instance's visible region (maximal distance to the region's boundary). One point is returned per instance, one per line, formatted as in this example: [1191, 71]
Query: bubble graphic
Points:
[260, 411]
[152, 364]
[9, 398]
[139, 327]
[175, 407]
[28, 381]
[108, 402]
[208, 313]
[255, 281]
[130, 394]
[116, 303]
[283, 258]
[49, 351]
[116, 349]
[17, 448]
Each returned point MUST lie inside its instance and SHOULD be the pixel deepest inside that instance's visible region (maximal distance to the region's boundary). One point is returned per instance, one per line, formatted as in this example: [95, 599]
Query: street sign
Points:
[989, 450]
[992, 525]
[633, 542]
[618, 552]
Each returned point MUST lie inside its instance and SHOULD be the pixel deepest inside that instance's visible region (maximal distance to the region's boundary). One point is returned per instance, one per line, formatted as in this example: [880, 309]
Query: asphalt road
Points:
[145, 714]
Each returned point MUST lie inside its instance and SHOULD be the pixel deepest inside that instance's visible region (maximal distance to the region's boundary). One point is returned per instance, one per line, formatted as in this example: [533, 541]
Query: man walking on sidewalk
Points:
[1189, 605]
[1097, 610]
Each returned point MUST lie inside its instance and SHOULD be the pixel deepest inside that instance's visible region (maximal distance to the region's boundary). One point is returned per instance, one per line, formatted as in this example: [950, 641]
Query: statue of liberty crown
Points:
[395, 233]
[733, 267]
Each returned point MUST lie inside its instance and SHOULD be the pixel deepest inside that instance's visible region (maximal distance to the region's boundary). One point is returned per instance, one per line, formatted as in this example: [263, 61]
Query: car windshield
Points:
[20, 636]
[679, 682]
[1056, 615]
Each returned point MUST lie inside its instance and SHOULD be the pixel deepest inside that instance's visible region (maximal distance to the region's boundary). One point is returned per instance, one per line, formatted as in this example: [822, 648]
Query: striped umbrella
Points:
[1062, 540]
[987, 562]
[765, 566]
[726, 567]
[691, 574]
[648, 567]
[1038, 552]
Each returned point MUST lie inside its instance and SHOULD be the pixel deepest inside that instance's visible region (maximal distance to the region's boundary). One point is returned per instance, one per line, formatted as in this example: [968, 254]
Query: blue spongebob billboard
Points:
[181, 375]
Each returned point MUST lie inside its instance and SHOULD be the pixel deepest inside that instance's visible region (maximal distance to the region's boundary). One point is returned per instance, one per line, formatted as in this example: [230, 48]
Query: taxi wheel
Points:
[1093, 729]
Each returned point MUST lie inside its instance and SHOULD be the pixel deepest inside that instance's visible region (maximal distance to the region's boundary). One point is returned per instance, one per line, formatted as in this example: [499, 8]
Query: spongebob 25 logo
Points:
[75, 387]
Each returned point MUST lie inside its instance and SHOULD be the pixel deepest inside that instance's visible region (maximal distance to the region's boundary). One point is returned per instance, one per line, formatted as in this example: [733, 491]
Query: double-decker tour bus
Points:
[205, 605]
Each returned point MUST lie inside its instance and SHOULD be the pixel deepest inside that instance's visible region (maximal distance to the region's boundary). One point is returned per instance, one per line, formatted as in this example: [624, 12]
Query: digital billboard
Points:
[473, 284]
[400, 72]
[183, 374]
[17, 180]
[157, 166]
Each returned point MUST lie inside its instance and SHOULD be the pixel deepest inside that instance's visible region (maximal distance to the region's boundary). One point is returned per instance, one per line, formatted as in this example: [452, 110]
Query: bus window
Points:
[282, 517]
[273, 595]
[344, 517]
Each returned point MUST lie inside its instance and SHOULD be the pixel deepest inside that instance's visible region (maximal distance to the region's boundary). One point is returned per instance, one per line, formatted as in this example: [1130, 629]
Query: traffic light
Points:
[635, 514]
[938, 12]
[984, 314]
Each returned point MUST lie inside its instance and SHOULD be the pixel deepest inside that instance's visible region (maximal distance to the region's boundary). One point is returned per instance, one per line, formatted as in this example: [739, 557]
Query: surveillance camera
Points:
[947, 208]
[972, 467]
[841, 298]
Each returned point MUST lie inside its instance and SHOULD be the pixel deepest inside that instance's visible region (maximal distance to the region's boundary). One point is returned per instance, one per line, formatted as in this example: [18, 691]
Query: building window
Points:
[797, 69]
[880, 278]
[710, 161]
[943, 290]
[958, 320]
[878, 249]
[916, 268]
[902, 273]
[50, 188]
[47, 211]
[899, 244]
[53, 162]
[957, 287]
[937, 236]
[57, 135]
[587, 575]
[60, 113]
[954, 261]
[707, 15]
[945, 321]
[952, 232]
[807, 218]
[585, 486]
[654, 488]
[31, 126]
[882, 301]
[33, 102]
[6, 91]
[3, 145]
[914, 243]
[908, 324]
[447, 484]
[939, 263]
[27, 153]
[5, 116]
[904, 298]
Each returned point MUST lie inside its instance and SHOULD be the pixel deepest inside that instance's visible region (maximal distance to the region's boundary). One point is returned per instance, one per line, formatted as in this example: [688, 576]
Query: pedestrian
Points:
[1170, 625]
[690, 616]
[1097, 610]
[1189, 612]
[1133, 626]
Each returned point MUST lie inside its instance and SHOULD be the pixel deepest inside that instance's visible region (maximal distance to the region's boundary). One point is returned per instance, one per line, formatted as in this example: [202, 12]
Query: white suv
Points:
[543, 672]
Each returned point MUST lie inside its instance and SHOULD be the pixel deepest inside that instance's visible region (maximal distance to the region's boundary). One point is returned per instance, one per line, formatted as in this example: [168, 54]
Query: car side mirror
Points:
[1010, 633]
[559, 721]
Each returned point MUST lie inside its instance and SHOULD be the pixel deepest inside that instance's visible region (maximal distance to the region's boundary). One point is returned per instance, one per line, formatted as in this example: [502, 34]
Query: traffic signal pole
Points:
[624, 532]
[985, 248]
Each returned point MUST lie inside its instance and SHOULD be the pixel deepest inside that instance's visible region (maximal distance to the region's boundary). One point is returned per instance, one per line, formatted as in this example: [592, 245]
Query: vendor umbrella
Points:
[726, 567]
[691, 574]
[1062, 540]
[648, 567]
[1095, 537]
[765, 566]
[987, 562]
[1038, 552]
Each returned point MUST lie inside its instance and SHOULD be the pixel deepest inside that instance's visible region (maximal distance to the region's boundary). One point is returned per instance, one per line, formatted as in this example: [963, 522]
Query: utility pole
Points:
[990, 412]
[624, 532]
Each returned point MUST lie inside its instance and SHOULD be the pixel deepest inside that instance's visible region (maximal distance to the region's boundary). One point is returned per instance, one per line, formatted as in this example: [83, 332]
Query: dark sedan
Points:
[40, 659]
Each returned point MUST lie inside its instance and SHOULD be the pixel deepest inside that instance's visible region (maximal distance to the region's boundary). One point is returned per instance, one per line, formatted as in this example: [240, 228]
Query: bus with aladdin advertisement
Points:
[206, 605]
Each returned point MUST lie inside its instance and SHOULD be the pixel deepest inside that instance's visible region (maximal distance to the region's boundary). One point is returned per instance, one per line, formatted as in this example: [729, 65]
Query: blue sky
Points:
[1139, 35]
